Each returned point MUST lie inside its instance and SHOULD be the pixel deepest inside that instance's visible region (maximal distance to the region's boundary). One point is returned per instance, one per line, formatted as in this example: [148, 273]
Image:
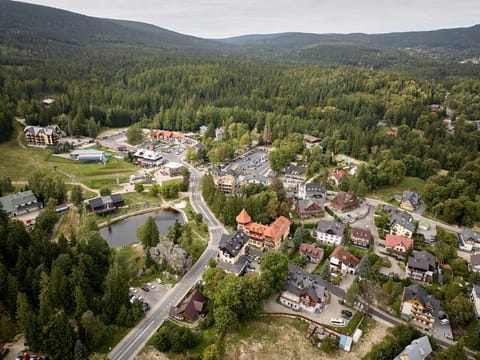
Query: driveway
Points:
[333, 310]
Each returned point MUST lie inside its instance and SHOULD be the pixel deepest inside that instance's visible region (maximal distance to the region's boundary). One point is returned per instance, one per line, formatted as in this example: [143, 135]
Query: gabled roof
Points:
[193, 305]
[469, 234]
[302, 283]
[429, 303]
[345, 200]
[345, 257]
[475, 259]
[279, 227]
[359, 233]
[233, 243]
[404, 219]
[330, 227]
[11, 202]
[338, 174]
[393, 240]
[305, 204]
[312, 250]
[422, 260]
[418, 349]
[243, 217]
[411, 196]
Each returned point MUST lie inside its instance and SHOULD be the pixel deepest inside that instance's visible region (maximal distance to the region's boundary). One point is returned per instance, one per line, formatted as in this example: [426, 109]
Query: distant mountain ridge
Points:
[27, 27]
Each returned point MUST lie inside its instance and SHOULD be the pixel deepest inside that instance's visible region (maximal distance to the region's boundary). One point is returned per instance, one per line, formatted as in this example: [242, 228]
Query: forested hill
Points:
[458, 44]
[34, 27]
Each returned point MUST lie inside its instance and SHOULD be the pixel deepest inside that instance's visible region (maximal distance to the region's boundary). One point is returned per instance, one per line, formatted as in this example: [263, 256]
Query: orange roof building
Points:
[264, 236]
[397, 244]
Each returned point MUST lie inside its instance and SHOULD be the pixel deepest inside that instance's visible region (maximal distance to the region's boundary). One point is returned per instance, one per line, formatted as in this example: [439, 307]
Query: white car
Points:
[132, 290]
[159, 281]
[150, 285]
[337, 322]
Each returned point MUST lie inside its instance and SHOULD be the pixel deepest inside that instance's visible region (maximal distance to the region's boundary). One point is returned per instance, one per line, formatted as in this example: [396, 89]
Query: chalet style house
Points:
[345, 201]
[225, 183]
[401, 223]
[342, 261]
[42, 136]
[312, 252]
[106, 204]
[231, 252]
[361, 237]
[268, 237]
[410, 200]
[330, 232]
[304, 291]
[336, 176]
[19, 203]
[421, 266]
[397, 245]
[310, 208]
[191, 308]
[170, 136]
[419, 307]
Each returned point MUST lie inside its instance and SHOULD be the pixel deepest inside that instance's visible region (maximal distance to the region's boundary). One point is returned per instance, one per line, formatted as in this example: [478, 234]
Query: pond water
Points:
[124, 232]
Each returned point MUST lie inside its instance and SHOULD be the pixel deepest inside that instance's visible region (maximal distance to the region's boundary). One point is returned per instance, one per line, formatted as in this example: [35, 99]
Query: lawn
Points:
[386, 193]
[34, 159]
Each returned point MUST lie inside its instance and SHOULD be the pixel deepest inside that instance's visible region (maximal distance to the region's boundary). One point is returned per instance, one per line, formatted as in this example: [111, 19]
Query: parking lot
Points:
[153, 295]
[252, 162]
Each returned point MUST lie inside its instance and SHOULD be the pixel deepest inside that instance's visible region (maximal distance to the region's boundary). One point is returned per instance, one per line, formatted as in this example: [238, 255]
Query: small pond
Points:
[124, 232]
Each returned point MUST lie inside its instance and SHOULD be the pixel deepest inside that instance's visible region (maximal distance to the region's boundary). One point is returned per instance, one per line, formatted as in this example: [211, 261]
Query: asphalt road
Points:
[136, 339]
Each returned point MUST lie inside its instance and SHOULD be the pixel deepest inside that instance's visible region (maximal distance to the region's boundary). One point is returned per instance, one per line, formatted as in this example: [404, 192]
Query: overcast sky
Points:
[225, 18]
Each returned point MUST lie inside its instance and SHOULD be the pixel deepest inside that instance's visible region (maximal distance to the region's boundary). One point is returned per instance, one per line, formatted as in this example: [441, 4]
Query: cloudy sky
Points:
[224, 18]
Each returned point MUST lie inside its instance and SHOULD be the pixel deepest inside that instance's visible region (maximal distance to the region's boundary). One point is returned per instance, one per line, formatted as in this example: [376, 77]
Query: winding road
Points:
[136, 339]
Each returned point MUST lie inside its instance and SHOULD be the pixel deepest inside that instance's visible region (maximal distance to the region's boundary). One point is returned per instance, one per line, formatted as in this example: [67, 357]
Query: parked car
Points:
[347, 314]
[159, 281]
[145, 307]
[132, 290]
[150, 285]
[337, 322]
[145, 288]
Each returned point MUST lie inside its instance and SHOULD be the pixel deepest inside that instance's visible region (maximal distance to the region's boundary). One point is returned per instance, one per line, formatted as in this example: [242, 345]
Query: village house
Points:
[253, 179]
[20, 203]
[231, 252]
[191, 308]
[268, 237]
[475, 262]
[397, 245]
[311, 141]
[304, 291]
[311, 191]
[311, 252]
[330, 232]
[419, 307]
[345, 201]
[336, 176]
[219, 132]
[106, 204]
[168, 136]
[149, 158]
[361, 237]
[410, 200]
[342, 261]
[225, 183]
[475, 297]
[401, 223]
[421, 266]
[310, 208]
[173, 168]
[42, 136]
[469, 240]
[418, 349]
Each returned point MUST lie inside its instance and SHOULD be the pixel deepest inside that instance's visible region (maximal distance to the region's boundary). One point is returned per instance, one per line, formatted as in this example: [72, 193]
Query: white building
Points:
[330, 232]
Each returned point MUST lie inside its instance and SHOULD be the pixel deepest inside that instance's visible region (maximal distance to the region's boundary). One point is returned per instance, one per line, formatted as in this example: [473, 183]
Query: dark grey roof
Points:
[11, 202]
[233, 243]
[430, 304]
[422, 260]
[101, 201]
[411, 196]
[467, 234]
[116, 198]
[300, 282]
[404, 219]
[330, 227]
[418, 349]
[315, 189]
[97, 202]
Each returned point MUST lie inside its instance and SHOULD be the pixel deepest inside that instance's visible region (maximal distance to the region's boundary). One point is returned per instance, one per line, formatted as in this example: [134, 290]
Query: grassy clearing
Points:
[386, 193]
[70, 223]
[34, 159]
[140, 198]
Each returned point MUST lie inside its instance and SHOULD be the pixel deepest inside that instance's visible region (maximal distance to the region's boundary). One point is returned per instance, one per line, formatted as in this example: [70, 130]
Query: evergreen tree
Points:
[325, 272]
[148, 233]
[363, 267]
